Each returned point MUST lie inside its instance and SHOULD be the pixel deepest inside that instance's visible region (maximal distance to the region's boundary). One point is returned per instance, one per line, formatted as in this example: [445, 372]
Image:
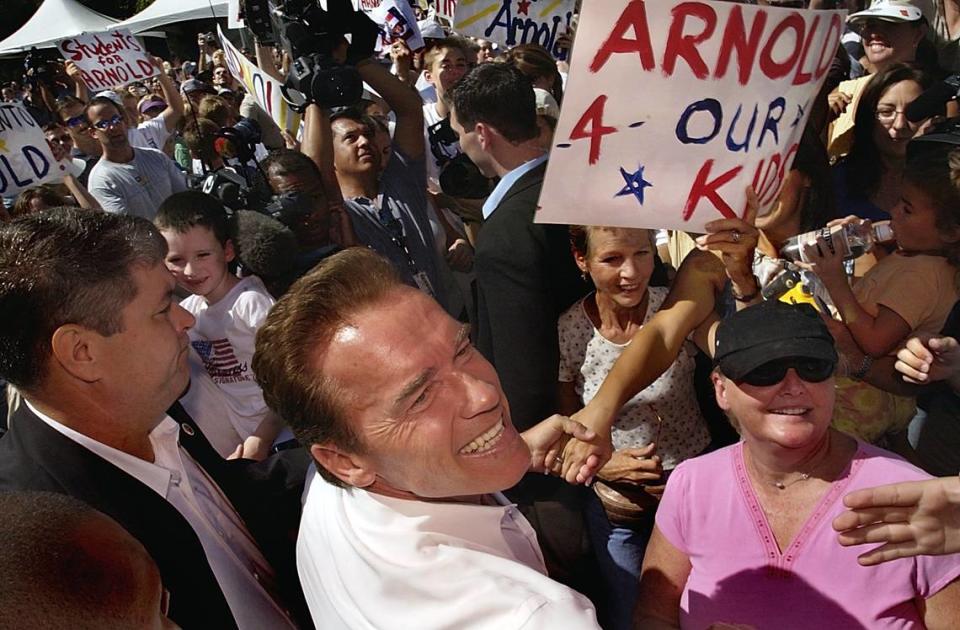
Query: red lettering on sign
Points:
[591, 126]
[774, 69]
[735, 38]
[704, 187]
[680, 45]
[635, 17]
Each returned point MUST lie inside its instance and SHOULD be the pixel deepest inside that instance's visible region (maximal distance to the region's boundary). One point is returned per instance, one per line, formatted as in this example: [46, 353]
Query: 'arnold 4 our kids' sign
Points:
[109, 59]
[512, 22]
[673, 108]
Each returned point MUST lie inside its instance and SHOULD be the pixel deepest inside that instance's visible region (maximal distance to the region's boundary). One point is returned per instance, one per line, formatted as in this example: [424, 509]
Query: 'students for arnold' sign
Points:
[108, 59]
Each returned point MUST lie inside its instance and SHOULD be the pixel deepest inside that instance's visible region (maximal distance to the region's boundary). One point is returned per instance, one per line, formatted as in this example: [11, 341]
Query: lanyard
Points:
[393, 228]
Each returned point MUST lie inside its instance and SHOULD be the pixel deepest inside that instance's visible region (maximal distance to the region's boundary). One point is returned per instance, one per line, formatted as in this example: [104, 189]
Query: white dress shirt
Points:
[367, 561]
[242, 572]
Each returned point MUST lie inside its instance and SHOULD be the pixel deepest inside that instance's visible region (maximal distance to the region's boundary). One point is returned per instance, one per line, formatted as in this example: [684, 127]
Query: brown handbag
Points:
[627, 504]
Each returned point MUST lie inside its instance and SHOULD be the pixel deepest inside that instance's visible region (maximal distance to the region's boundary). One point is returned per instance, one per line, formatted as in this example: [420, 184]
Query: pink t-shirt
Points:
[739, 575]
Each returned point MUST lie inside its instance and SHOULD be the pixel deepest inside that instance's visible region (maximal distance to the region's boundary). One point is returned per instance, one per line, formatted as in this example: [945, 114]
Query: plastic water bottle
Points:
[852, 240]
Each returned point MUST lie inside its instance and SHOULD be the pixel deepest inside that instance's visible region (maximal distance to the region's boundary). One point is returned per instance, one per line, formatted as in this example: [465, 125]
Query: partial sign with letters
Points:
[512, 22]
[672, 109]
[397, 22]
[264, 88]
[25, 157]
[109, 59]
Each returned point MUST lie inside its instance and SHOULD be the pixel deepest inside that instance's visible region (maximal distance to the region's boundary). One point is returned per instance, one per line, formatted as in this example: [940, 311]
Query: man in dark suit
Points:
[93, 338]
[526, 278]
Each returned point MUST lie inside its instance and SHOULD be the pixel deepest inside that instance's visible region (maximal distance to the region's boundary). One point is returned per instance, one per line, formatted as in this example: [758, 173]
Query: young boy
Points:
[228, 310]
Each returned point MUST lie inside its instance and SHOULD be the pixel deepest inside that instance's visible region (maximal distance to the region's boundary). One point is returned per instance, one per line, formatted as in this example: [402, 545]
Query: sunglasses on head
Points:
[108, 123]
[809, 370]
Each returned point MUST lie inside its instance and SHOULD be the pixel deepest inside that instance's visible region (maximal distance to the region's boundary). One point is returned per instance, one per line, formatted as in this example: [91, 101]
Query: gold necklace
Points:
[779, 485]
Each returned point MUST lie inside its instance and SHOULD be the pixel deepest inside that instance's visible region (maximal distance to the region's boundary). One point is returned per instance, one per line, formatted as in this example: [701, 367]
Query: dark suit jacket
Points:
[34, 456]
[526, 278]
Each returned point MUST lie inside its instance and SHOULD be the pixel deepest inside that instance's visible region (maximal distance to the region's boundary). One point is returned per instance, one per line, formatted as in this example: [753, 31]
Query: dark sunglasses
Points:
[76, 121]
[65, 138]
[103, 125]
[809, 370]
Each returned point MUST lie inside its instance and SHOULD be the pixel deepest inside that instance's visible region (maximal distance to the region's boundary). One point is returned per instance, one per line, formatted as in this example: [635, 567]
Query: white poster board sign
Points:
[672, 109]
[109, 59]
[264, 88]
[25, 157]
[512, 22]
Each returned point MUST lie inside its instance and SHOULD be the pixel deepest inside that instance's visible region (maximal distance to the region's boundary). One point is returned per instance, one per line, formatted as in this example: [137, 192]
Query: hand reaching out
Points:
[911, 518]
[546, 441]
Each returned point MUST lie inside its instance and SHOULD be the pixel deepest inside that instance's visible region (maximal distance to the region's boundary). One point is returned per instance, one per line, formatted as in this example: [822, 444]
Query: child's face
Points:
[914, 221]
[199, 262]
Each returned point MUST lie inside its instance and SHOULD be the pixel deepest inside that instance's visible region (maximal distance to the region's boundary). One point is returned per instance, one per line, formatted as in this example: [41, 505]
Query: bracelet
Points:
[861, 371]
[745, 298]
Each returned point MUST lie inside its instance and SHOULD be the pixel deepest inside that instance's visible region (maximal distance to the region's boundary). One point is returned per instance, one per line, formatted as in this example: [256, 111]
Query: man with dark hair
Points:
[71, 112]
[404, 525]
[127, 180]
[526, 278]
[388, 203]
[95, 342]
[67, 566]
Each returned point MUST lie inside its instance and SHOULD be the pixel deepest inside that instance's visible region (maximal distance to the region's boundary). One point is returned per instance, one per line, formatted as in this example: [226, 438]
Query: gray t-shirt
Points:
[137, 187]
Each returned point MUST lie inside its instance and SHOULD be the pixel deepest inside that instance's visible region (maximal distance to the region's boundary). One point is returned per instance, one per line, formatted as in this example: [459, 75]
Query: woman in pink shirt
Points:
[743, 535]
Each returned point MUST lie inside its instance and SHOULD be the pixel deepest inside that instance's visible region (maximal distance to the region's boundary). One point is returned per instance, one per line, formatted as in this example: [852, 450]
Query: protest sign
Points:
[264, 88]
[512, 22]
[673, 108]
[108, 59]
[446, 9]
[25, 157]
[396, 20]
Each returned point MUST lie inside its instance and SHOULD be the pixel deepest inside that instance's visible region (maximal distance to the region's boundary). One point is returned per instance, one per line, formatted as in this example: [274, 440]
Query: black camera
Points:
[309, 35]
[460, 177]
[37, 69]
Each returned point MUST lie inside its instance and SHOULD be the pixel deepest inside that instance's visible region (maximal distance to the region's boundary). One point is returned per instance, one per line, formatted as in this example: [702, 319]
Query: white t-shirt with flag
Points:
[223, 339]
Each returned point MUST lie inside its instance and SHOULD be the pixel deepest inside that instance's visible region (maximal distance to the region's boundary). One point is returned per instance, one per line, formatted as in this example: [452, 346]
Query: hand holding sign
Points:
[673, 108]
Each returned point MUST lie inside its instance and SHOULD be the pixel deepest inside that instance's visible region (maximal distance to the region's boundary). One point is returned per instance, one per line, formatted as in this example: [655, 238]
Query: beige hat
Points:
[895, 11]
[546, 104]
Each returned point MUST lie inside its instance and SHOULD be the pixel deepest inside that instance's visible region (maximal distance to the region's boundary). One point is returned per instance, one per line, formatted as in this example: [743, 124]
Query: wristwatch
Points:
[863, 368]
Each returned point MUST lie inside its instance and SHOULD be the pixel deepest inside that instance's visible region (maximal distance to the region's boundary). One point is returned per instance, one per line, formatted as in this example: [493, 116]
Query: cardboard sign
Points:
[673, 108]
[110, 59]
[25, 157]
[396, 20]
[512, 22]
[264, 88]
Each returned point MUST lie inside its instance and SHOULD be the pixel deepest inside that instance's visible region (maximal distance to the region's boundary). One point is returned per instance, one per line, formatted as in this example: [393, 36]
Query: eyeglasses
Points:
[103, 125]
[809, 370]
[64, 139]
[76, 121]
[887, 115]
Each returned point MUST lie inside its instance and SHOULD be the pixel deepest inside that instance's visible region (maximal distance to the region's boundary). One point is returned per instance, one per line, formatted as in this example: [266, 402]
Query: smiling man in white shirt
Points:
[404, 524]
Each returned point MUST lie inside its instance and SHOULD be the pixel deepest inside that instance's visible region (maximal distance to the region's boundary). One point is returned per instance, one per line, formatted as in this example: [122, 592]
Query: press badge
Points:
[423, 283]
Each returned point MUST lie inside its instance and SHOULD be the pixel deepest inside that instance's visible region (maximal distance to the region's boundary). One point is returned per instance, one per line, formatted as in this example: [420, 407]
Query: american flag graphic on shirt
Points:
[221, 361]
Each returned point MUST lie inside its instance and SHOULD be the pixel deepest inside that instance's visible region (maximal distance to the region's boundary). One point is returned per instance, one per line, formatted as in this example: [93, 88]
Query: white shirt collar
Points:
[150, 474]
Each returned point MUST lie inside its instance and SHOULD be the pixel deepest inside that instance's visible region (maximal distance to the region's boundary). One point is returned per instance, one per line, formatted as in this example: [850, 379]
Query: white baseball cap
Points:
[894, 11]
[546, 104]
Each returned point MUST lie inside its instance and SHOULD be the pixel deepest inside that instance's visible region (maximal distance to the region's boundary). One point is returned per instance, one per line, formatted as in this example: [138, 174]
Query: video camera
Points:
[310, 35]
[38, 69]
[459, 177]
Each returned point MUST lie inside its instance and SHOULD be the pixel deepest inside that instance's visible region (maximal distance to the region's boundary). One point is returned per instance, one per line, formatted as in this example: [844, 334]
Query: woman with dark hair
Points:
[867, 181]
[536, 63]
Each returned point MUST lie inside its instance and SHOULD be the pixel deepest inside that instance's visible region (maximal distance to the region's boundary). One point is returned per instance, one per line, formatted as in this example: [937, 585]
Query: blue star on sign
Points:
[635, 184]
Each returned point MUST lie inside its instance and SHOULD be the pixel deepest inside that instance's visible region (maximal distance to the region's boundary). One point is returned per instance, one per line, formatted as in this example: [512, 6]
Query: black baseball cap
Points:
[769, 331]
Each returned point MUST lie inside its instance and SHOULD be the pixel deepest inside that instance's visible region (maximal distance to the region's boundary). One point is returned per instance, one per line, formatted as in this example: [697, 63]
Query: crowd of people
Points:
[338, 377]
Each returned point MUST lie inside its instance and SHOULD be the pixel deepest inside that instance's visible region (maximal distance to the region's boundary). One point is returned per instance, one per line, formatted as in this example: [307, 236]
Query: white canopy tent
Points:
[53, 21]
[163, 12]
